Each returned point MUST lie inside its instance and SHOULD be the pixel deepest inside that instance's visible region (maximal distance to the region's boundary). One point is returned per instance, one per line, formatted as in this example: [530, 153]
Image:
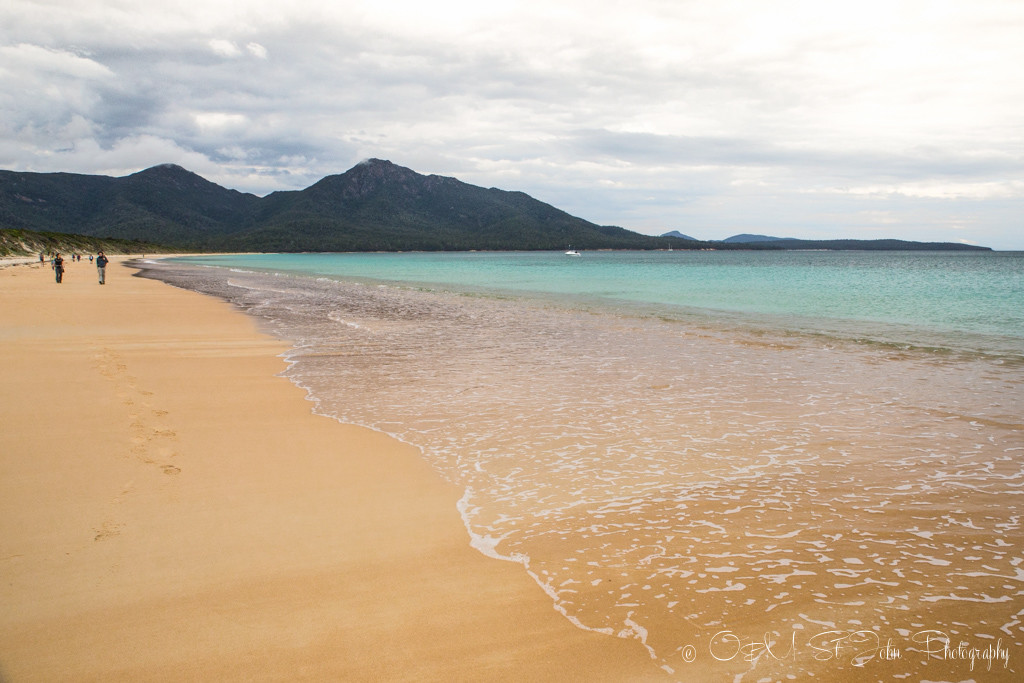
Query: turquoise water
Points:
[962, 300]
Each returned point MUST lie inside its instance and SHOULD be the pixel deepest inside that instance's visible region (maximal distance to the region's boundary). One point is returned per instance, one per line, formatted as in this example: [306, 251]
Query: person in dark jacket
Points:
[58, 267]
[101, 267]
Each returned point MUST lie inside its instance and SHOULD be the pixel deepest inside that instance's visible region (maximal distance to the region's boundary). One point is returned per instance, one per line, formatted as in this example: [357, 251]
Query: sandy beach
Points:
[171, 509]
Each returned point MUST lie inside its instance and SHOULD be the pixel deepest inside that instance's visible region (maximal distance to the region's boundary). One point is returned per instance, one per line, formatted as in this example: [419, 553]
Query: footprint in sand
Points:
[106, 531]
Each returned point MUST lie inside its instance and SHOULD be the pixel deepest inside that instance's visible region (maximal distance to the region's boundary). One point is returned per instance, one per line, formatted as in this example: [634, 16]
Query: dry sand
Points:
[172, 510]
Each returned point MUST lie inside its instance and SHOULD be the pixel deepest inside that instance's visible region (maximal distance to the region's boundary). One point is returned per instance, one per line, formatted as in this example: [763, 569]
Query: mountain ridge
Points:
[747, 238]
[374, 206]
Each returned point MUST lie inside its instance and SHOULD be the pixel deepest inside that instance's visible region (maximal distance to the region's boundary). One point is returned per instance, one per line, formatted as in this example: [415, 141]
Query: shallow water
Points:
[963, 300]
[697, 481]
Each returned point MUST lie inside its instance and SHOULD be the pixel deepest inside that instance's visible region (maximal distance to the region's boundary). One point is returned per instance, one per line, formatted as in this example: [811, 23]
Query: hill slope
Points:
[378, 205]
[676, 233]
[31, 243]
[374, 206]
[163, 204]
[747, 238]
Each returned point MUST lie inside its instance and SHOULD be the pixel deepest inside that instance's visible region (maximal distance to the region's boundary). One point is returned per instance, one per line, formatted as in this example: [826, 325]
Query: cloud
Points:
[34, 60]
[937, 189]
[81, 153]
[793, 116]
[224, 48]
[256, 50]
[220, 121]
[230, 50]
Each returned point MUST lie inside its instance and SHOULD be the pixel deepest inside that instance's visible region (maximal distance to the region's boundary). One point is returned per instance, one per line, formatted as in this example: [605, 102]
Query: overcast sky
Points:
[814, 119]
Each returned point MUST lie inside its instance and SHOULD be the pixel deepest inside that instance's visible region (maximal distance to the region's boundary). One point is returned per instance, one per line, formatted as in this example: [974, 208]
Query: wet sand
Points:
[171, 509]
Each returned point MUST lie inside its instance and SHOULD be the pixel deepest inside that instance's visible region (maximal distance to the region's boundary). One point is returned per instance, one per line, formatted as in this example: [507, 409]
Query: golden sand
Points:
[170, 509]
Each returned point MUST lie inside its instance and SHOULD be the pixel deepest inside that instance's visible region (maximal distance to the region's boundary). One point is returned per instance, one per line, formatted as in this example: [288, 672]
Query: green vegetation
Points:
[29, 243]
[374, 206]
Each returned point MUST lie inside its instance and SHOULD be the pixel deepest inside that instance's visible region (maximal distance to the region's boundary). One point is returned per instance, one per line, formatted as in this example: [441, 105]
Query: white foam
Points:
[484, 543]
[729, 586]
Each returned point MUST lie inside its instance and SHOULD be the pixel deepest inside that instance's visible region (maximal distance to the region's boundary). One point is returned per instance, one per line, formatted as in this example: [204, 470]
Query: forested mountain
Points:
[164, 204]
[374, 206]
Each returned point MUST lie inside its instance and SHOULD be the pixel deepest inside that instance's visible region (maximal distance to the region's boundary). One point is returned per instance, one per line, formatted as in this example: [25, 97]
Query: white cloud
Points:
[229, 49]
[36, 61]
[938, 189]
[224, 48]
[256, 50]
[219, 120]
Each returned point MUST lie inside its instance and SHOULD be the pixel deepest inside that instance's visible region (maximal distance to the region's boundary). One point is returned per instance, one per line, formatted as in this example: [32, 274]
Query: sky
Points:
[814, 119]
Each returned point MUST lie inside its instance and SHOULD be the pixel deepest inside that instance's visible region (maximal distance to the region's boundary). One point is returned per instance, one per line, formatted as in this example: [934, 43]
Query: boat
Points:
[572, 252]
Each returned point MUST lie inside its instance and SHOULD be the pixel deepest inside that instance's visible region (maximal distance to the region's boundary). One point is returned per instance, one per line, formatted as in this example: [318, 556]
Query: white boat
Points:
[572, 252]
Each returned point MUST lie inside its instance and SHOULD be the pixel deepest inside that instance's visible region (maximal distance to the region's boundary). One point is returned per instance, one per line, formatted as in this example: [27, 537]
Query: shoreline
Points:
[172, 508]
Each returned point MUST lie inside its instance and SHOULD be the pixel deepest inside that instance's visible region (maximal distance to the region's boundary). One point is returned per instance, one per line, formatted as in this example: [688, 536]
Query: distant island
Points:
[793, 243]
[374, 206]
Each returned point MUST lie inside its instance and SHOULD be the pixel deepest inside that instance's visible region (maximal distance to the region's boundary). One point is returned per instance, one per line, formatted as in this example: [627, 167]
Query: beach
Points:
[171, 508]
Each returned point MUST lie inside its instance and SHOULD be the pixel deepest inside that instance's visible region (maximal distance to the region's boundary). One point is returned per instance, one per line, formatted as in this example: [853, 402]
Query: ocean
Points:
[762, 465]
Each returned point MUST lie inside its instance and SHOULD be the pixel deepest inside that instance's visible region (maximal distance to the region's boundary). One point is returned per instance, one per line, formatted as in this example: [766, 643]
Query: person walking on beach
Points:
[58, 267]
[101, 267]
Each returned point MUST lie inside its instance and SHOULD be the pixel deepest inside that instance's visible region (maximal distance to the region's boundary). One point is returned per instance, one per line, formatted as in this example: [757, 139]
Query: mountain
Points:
[374, 206]
[377, 205]
[745, 238]
[678, 235]
[164, 204]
